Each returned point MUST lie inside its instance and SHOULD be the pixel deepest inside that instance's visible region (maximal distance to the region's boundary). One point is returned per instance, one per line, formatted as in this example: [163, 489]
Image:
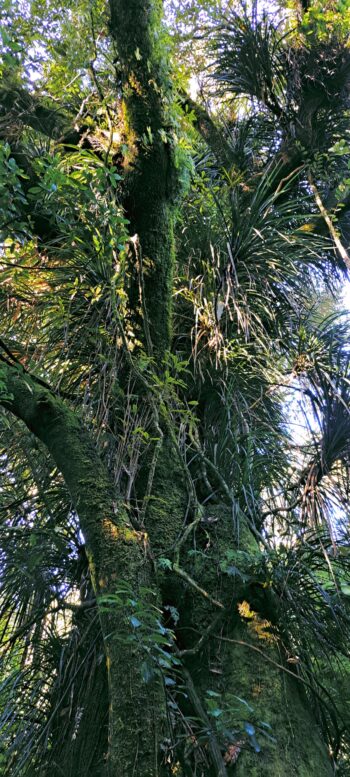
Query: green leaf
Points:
[135, 622]
[169, 681]
[215, 713]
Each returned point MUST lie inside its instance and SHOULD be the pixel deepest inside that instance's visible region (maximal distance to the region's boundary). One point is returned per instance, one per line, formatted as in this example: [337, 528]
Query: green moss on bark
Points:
[117, 553]
[279, 701]
[151, 175]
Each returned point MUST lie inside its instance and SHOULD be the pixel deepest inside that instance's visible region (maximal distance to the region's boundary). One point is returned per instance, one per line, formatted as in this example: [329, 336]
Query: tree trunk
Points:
[277, 699]
[240, 662]
[118, 557]
[151, 176]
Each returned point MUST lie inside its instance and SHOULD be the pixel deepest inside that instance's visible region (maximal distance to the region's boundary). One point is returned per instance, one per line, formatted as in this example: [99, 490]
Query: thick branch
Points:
[69, 444]
[17, 105]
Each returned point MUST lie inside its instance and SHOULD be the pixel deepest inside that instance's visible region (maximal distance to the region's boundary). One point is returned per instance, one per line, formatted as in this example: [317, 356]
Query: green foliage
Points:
[327, 20]
[236, 712]
[148, 632]
[11, 193]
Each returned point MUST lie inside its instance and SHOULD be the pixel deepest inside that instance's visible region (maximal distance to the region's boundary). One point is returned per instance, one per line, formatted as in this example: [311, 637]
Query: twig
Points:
[277, 510]
[98, 88]
[242, 643]
[135, 242]
[181, 572]
[193, 651]
[287, 178]
[152, 469]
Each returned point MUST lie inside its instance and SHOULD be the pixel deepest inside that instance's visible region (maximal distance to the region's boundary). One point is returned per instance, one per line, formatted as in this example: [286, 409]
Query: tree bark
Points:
[241, 662]
[151, 176]
[117, 554]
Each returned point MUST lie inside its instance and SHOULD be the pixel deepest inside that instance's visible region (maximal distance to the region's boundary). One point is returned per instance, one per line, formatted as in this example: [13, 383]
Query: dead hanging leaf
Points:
[232, 753]
[245, 611]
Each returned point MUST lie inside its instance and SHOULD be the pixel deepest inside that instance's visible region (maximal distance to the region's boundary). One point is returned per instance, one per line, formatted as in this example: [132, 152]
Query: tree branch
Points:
[52, 421]
[17, 105]
[209, 130]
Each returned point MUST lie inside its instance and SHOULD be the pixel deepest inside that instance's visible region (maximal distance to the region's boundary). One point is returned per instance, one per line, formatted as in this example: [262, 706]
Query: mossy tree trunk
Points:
[245, 667]
[240, 661]
[286, 732]
[116, 552]
[151, 176]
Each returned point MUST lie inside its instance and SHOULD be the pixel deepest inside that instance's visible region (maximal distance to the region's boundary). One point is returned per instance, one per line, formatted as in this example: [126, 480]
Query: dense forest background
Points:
[174, 388]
